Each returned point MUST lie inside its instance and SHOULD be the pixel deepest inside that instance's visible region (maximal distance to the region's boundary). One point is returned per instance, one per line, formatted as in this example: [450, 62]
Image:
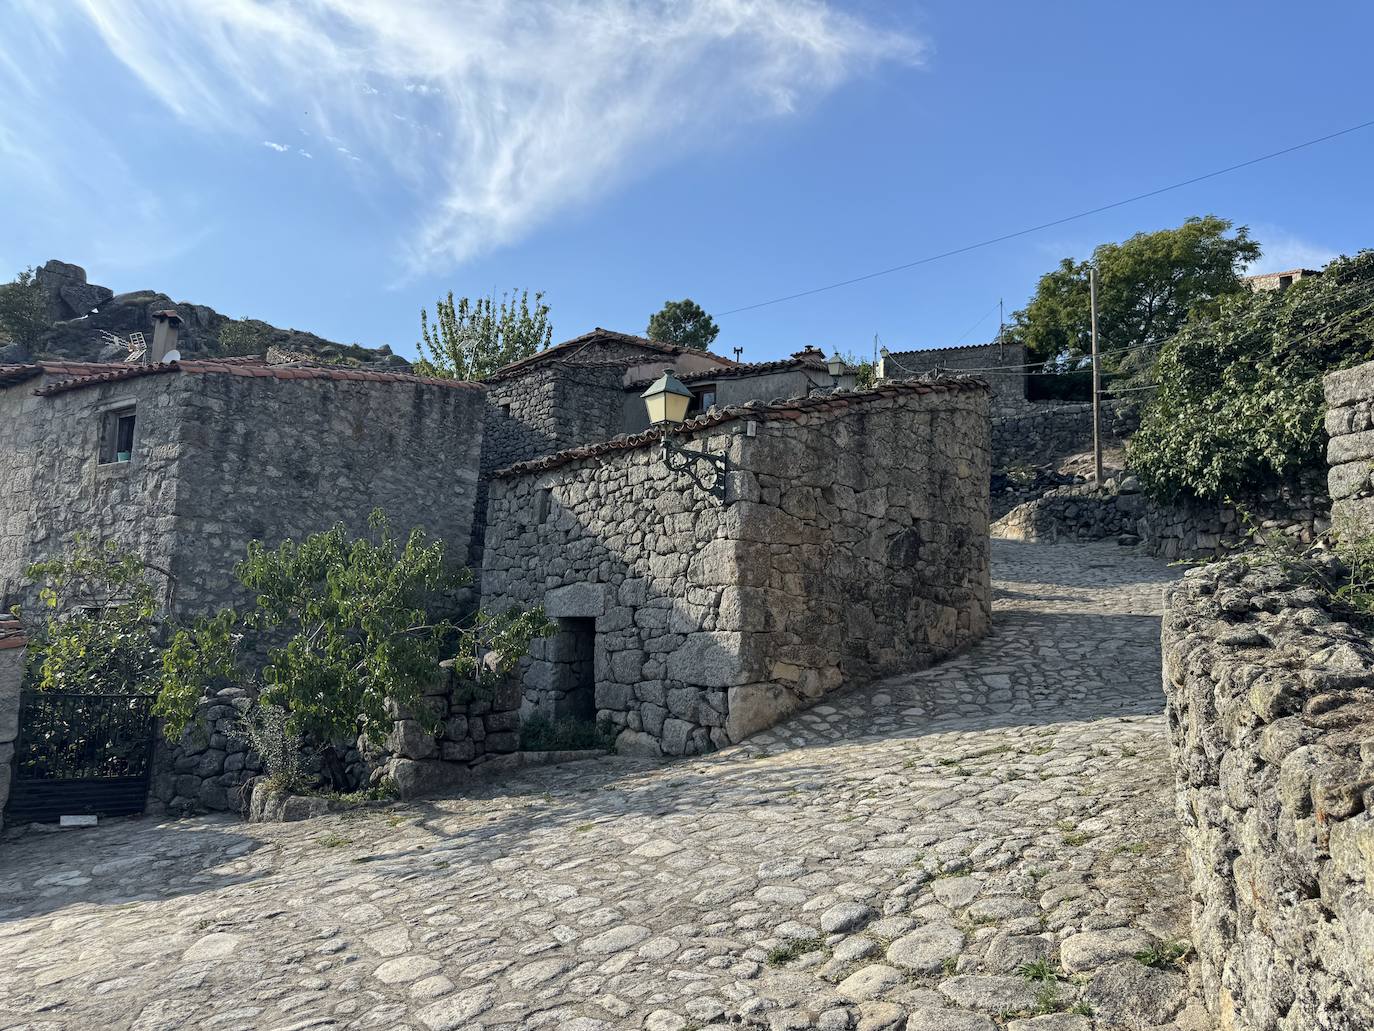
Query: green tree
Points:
[1147, 287]
[684, 323]
[472, 339]
[23, 310]
[1239, 404]
[99, 632]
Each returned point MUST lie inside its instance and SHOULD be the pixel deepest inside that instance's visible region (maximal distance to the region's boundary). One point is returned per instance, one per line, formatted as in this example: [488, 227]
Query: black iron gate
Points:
[81, 754]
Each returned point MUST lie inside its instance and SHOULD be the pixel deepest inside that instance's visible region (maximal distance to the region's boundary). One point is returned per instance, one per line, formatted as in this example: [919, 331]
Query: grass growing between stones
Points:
[793, 949]
[1165, 955]
[332, 840]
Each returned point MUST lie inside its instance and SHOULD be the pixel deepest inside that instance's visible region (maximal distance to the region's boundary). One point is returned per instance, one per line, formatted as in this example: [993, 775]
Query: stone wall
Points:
[475, 728]
[220, 460]
[986, 361]
[209, 766]
[12, 643]
[1186, 530]
[852, 544]
[1270, 702]
[1350, 453]
[1034, 432]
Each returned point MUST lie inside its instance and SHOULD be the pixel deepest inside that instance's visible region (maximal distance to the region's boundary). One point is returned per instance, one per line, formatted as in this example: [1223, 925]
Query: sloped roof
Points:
[85, 374]
[808, 358]
[793, 408]
[567, 348]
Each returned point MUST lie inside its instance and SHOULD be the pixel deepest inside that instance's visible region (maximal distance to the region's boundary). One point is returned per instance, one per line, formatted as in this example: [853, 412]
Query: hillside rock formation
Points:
[86, 319]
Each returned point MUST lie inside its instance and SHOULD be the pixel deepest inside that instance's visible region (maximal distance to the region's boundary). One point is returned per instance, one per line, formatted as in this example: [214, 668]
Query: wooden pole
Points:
[1097, 382]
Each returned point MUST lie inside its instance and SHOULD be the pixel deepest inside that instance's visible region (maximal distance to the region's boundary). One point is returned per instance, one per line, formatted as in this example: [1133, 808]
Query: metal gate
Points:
[81, 754]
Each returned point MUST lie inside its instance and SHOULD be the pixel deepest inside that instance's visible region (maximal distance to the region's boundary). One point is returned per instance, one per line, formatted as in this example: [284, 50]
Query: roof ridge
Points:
[782, 409]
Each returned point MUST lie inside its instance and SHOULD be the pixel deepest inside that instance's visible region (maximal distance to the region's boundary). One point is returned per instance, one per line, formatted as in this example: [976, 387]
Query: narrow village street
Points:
[988, 843]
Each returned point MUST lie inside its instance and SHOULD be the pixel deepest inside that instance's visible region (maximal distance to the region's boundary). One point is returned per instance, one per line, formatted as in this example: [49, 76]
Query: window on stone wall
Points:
[505, 408]
[116, 436]
[703, 399]
[541, 505]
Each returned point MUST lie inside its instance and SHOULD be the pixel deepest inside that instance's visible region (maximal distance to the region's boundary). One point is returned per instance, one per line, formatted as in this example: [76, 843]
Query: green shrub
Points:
[1239, 405]
[98, 632]
[541, 734]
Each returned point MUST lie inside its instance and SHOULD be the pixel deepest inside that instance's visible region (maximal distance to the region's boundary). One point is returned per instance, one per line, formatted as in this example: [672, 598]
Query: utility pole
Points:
[1001, 327]
[1097, 382]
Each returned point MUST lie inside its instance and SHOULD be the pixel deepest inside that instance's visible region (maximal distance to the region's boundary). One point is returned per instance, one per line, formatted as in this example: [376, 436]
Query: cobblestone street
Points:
[988, 843]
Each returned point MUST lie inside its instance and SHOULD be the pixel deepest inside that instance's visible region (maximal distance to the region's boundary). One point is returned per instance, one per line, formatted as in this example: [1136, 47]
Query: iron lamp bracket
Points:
[680, 459]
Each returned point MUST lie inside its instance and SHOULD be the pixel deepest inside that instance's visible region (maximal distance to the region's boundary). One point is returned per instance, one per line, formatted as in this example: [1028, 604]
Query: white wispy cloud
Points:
[494, 115]
[1284, 250]
[280, 148]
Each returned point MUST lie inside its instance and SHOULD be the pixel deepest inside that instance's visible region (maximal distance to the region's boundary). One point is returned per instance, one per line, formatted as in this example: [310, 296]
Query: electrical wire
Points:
[971, 328]
[1051, 224]
[1352, 290]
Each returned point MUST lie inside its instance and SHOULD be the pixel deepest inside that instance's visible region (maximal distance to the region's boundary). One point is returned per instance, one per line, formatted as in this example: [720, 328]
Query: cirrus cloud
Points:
[492, 115]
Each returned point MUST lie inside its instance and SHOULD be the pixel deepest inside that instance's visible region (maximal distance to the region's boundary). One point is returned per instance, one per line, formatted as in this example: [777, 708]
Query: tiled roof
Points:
[957, 347]
[809, 359]
[793, 408]
[560, 351]
[93, 373]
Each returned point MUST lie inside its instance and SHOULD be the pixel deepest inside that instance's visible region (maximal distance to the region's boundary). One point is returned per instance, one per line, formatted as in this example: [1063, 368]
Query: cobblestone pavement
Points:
[989, 843]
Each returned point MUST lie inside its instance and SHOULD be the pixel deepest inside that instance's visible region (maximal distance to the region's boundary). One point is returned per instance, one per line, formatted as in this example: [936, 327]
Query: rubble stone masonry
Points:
[852, 544]
[1350, 454]
[1270, 702]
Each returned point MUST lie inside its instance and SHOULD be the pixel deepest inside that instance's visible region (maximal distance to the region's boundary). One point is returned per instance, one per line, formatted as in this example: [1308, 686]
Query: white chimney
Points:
[166, 329]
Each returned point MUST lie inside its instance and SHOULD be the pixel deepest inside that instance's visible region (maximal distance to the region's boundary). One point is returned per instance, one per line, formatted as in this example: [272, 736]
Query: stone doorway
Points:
[573, 655]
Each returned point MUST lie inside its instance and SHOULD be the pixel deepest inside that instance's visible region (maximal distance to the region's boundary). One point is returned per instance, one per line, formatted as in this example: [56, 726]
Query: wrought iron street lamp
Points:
[835, 366]
[667, 400]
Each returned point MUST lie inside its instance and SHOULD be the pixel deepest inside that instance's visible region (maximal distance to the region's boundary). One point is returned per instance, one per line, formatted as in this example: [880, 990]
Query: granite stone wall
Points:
[220, 460]
[474, 728]
[1350, 453]
[852, 544]
[12, 641]
[1001, 365]
[1034, 432]
[1270, 703]
[1186, 530]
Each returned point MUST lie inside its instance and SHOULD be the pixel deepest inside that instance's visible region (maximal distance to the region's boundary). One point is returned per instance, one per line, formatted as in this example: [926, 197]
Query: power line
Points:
[1344, 293]
[971, 328]
[1049, 225]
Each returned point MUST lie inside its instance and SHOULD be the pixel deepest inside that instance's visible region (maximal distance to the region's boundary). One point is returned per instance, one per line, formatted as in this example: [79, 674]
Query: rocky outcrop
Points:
[85, 317]
[1270, 701]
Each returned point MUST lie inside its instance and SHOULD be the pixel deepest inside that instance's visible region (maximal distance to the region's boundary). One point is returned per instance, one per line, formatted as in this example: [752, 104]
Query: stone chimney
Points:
[166, 329]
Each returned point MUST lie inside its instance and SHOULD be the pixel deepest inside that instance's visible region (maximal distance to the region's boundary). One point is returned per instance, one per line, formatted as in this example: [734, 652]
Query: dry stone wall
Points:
[852, 543]
[1188, 530]
[1350, 453]
[1270, 702]
[1035, 432]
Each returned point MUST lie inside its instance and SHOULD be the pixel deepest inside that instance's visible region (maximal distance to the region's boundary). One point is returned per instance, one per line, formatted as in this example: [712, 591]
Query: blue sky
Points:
[334, 166]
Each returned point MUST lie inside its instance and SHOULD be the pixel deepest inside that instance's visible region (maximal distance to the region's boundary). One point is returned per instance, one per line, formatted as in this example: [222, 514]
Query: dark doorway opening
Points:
[574, 657]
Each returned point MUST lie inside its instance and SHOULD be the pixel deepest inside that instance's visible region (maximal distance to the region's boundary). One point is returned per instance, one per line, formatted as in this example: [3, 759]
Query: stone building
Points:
[1279, 280]
[852, 542]
[186, 462]
[1003, 365]
[1350, 453]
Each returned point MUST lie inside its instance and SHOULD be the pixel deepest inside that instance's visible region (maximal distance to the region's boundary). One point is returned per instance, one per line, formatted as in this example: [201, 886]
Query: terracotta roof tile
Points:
[85, 374]
[794, 408]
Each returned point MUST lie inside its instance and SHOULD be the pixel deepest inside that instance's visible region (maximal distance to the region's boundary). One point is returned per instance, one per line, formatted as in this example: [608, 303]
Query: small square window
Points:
[703, 399]
[116, 436]
[505, 408]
